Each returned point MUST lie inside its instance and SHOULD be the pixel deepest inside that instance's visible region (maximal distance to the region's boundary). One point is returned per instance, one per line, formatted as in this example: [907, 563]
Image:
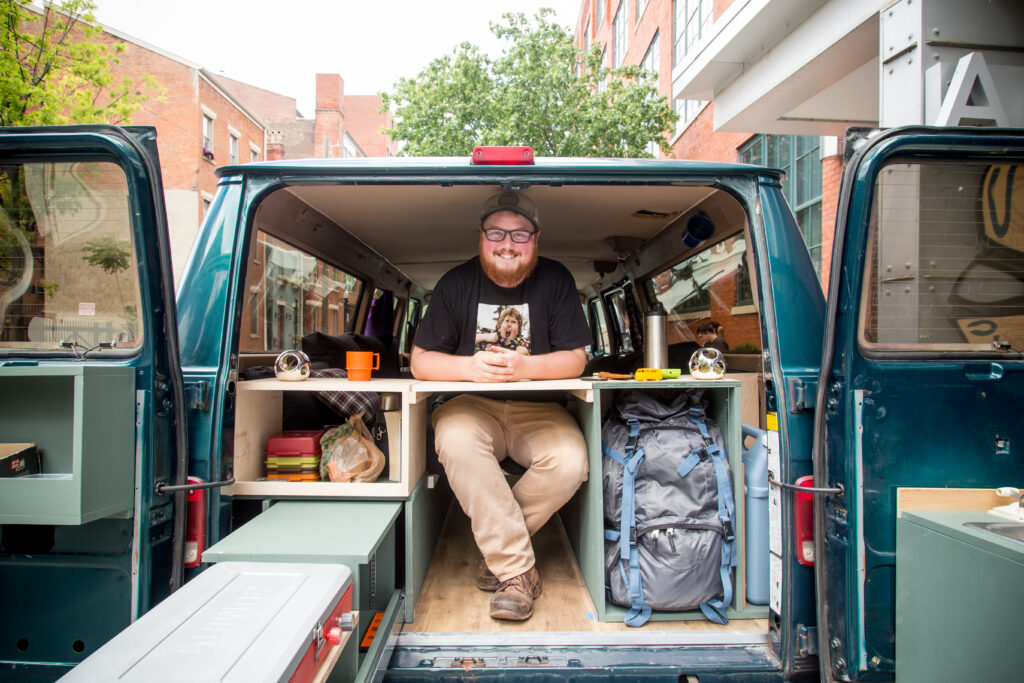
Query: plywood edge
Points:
[911, 498]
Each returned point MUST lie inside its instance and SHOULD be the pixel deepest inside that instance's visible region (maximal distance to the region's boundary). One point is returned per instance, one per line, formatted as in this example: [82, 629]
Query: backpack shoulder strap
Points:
[639, 611]
[714, 609]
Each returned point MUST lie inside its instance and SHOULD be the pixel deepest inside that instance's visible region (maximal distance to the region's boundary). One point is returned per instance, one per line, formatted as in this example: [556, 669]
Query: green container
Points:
[82, 420]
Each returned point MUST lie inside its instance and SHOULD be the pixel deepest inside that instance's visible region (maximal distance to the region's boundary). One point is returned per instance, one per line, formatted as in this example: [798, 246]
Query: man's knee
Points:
[460, 432]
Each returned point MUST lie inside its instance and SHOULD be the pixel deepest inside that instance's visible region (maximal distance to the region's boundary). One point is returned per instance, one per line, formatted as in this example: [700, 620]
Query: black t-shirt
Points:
[468, 312]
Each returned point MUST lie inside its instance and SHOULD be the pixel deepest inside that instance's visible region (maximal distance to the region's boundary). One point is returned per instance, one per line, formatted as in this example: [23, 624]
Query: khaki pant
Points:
[473, 434]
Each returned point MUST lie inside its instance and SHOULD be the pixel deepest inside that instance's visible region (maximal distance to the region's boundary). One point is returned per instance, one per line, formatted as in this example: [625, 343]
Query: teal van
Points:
[888, 412]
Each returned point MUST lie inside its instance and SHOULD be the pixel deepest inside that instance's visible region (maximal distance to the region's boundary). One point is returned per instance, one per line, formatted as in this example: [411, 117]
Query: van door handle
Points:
[983, 372]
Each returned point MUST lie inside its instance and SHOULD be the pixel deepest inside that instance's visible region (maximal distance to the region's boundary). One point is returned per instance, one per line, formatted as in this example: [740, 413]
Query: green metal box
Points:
[82, 420]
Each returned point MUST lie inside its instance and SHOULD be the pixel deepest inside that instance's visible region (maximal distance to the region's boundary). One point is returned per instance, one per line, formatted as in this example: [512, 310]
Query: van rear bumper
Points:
[629, 655]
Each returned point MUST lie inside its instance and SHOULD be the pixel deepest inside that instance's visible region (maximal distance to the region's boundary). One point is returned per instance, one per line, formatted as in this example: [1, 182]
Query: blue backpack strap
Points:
[639, 611]
[714, 609]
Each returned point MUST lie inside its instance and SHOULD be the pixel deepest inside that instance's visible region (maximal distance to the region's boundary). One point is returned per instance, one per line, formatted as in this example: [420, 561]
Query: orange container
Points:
[360, 364]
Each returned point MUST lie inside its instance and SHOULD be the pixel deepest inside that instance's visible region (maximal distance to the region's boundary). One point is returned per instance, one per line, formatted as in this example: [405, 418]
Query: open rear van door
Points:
[90, 378]
[921, 377]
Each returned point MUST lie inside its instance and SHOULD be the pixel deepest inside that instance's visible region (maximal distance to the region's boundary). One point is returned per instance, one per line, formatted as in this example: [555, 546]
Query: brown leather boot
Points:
[514, 597]
[485, 580]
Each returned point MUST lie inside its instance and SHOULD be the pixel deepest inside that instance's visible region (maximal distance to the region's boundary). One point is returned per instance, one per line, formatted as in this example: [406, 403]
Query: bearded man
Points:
[473, 432]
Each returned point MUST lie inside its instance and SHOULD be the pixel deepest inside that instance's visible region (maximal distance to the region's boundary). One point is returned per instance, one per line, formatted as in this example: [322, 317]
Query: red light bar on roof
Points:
[507, 156]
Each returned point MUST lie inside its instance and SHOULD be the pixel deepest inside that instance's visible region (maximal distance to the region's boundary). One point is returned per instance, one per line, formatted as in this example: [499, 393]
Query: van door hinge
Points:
[806, 640]
[197, 395]
[801, 394]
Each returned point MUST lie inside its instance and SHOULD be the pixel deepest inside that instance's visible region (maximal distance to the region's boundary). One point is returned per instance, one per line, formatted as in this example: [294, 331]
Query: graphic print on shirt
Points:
[505, 326]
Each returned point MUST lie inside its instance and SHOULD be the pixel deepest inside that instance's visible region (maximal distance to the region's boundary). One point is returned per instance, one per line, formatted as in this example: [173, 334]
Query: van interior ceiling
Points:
[433, 227]
[404, 241]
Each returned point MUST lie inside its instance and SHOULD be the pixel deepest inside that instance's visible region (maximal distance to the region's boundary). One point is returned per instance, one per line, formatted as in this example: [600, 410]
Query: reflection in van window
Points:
[292, 294]
[945, 262]
[599, 328]
[67, 259]
[713, 284]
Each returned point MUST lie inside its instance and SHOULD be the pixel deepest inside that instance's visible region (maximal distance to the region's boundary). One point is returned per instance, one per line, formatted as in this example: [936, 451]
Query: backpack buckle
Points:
[729, 533]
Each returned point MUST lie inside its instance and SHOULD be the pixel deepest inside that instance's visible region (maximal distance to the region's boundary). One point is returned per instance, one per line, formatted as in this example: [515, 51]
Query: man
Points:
[708, 335]
[473, 432]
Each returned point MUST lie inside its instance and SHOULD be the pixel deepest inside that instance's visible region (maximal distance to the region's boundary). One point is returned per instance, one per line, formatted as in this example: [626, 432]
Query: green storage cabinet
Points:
[959, 599]
[82, 420]
[358, 534]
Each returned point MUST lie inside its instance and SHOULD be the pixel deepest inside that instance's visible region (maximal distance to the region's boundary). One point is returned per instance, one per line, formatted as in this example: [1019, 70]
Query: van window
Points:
[292, 294]
[68, 269]
[712, 284]
[599, 328]
[945, 261]
[412, 321]
[619, 309]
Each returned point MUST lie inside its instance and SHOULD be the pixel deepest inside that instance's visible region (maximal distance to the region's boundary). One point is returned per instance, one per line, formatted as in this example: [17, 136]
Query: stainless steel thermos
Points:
[656, 337]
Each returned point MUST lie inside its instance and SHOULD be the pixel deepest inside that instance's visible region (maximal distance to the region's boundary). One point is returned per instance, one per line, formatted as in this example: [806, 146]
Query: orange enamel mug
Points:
[360, 363]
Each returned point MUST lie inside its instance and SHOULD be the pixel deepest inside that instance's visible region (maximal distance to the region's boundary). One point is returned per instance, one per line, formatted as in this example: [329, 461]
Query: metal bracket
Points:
[806, 640]
[318, 641]
[468, 663]
[197, 395]
[798, 391]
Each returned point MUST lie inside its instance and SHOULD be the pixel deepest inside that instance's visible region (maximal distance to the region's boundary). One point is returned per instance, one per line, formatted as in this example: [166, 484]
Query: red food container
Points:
[295, 442]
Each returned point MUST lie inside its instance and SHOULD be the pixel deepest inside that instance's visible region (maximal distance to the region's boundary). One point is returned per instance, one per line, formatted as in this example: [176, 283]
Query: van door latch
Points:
[798, 392]
[197, 395]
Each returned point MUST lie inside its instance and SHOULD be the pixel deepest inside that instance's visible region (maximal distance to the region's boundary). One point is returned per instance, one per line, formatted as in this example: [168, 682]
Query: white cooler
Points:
[237, 621]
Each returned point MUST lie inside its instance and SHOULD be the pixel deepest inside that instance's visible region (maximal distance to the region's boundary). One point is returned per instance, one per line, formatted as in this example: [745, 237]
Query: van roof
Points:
[584, 203]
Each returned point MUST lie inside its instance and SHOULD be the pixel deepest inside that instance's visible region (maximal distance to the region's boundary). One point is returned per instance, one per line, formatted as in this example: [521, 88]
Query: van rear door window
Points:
[292, 294]
[945, 258]
[68, 268]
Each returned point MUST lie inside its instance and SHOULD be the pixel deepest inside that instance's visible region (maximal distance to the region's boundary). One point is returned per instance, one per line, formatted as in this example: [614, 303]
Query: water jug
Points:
[755, 480]
[655, 337]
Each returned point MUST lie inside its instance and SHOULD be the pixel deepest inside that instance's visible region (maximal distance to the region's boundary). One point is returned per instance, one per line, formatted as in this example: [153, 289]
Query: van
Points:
[147, 412]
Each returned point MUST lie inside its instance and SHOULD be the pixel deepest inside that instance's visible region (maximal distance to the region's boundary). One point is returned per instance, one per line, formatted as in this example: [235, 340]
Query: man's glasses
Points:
[497, 235]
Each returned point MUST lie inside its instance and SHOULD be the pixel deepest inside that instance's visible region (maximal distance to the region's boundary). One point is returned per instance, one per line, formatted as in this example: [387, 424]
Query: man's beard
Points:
[508, 278]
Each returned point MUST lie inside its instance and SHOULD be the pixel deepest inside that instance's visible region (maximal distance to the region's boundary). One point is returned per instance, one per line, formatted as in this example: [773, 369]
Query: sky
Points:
[281, 46]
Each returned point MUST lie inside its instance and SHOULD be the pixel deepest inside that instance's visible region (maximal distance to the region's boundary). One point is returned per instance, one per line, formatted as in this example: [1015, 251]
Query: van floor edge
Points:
[450, 605]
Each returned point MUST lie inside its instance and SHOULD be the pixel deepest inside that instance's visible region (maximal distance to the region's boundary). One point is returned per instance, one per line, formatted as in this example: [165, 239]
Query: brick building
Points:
[343, 125]
[205, 120]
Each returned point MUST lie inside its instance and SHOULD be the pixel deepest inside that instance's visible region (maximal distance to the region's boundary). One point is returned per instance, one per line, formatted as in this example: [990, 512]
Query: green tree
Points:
[542, 91]
[54, 69]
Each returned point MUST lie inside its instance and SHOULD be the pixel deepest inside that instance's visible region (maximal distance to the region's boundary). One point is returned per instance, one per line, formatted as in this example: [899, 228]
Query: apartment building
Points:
[779, 82]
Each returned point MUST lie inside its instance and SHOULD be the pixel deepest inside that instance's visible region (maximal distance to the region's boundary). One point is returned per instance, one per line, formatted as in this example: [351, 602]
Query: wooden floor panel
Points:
[451, 603]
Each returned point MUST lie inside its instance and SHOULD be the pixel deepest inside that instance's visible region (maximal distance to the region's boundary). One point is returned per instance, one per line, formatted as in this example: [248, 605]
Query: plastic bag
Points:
[348, 453]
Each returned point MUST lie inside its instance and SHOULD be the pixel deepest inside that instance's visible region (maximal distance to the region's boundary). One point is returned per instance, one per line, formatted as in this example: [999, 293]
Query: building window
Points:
[641, 5]
[254, 153]
[687, 111]
[586, 37]
[653, 56]
[619, 39]
[232, 148]
[799, 156]
[208, 136]
[692, 20]
[600, 15]
[650, 63]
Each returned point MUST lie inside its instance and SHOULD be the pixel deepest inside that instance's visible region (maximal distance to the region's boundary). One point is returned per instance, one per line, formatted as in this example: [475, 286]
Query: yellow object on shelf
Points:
[647, 375]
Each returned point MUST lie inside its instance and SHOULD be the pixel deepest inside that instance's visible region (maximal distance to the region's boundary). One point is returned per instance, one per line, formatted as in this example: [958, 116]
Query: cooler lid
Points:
[237, 621]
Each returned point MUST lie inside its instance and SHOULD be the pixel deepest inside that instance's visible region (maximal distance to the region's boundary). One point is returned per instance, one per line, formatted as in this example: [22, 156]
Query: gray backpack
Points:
[668, 506]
